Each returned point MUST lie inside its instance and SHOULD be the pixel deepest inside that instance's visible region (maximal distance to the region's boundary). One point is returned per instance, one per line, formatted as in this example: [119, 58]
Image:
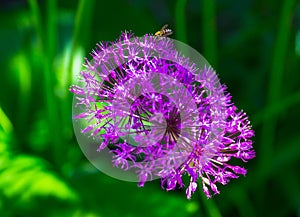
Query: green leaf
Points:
[5, 123]
[24, 179]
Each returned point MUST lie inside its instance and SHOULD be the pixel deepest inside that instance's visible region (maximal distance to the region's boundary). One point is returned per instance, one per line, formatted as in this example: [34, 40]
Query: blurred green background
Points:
[254, 46]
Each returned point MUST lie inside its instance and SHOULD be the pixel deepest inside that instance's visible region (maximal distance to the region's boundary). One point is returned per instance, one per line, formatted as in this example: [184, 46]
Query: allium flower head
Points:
[154, 113]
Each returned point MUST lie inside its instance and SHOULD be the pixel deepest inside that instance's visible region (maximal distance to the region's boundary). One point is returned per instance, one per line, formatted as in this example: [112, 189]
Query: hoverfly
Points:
[164, 31]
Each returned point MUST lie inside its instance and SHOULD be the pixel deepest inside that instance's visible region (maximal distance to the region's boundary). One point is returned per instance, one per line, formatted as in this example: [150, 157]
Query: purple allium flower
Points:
[161, 114]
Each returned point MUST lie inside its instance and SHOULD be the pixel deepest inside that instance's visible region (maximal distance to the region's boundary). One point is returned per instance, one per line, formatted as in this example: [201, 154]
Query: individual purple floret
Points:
[161, 115]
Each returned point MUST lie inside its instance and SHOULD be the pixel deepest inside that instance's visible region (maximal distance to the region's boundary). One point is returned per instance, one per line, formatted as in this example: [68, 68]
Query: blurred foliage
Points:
[255, 47]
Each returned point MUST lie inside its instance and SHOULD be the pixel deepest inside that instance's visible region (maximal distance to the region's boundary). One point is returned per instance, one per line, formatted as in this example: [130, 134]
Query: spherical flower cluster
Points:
[161, 114]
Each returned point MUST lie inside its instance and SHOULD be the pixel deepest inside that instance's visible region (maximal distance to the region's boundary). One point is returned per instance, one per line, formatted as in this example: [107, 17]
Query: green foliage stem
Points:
[209, 31]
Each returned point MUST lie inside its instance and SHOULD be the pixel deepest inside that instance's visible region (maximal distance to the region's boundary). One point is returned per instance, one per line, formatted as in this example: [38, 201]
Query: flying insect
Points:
[164, 31]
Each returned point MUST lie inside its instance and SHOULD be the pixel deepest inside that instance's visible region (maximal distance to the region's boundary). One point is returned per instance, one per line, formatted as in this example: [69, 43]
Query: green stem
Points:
[82, 29]
[210, 206]
[275, 86]
[268, 132]
[50, 43]
[209, 33]
[36, 18]
[180, 21]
